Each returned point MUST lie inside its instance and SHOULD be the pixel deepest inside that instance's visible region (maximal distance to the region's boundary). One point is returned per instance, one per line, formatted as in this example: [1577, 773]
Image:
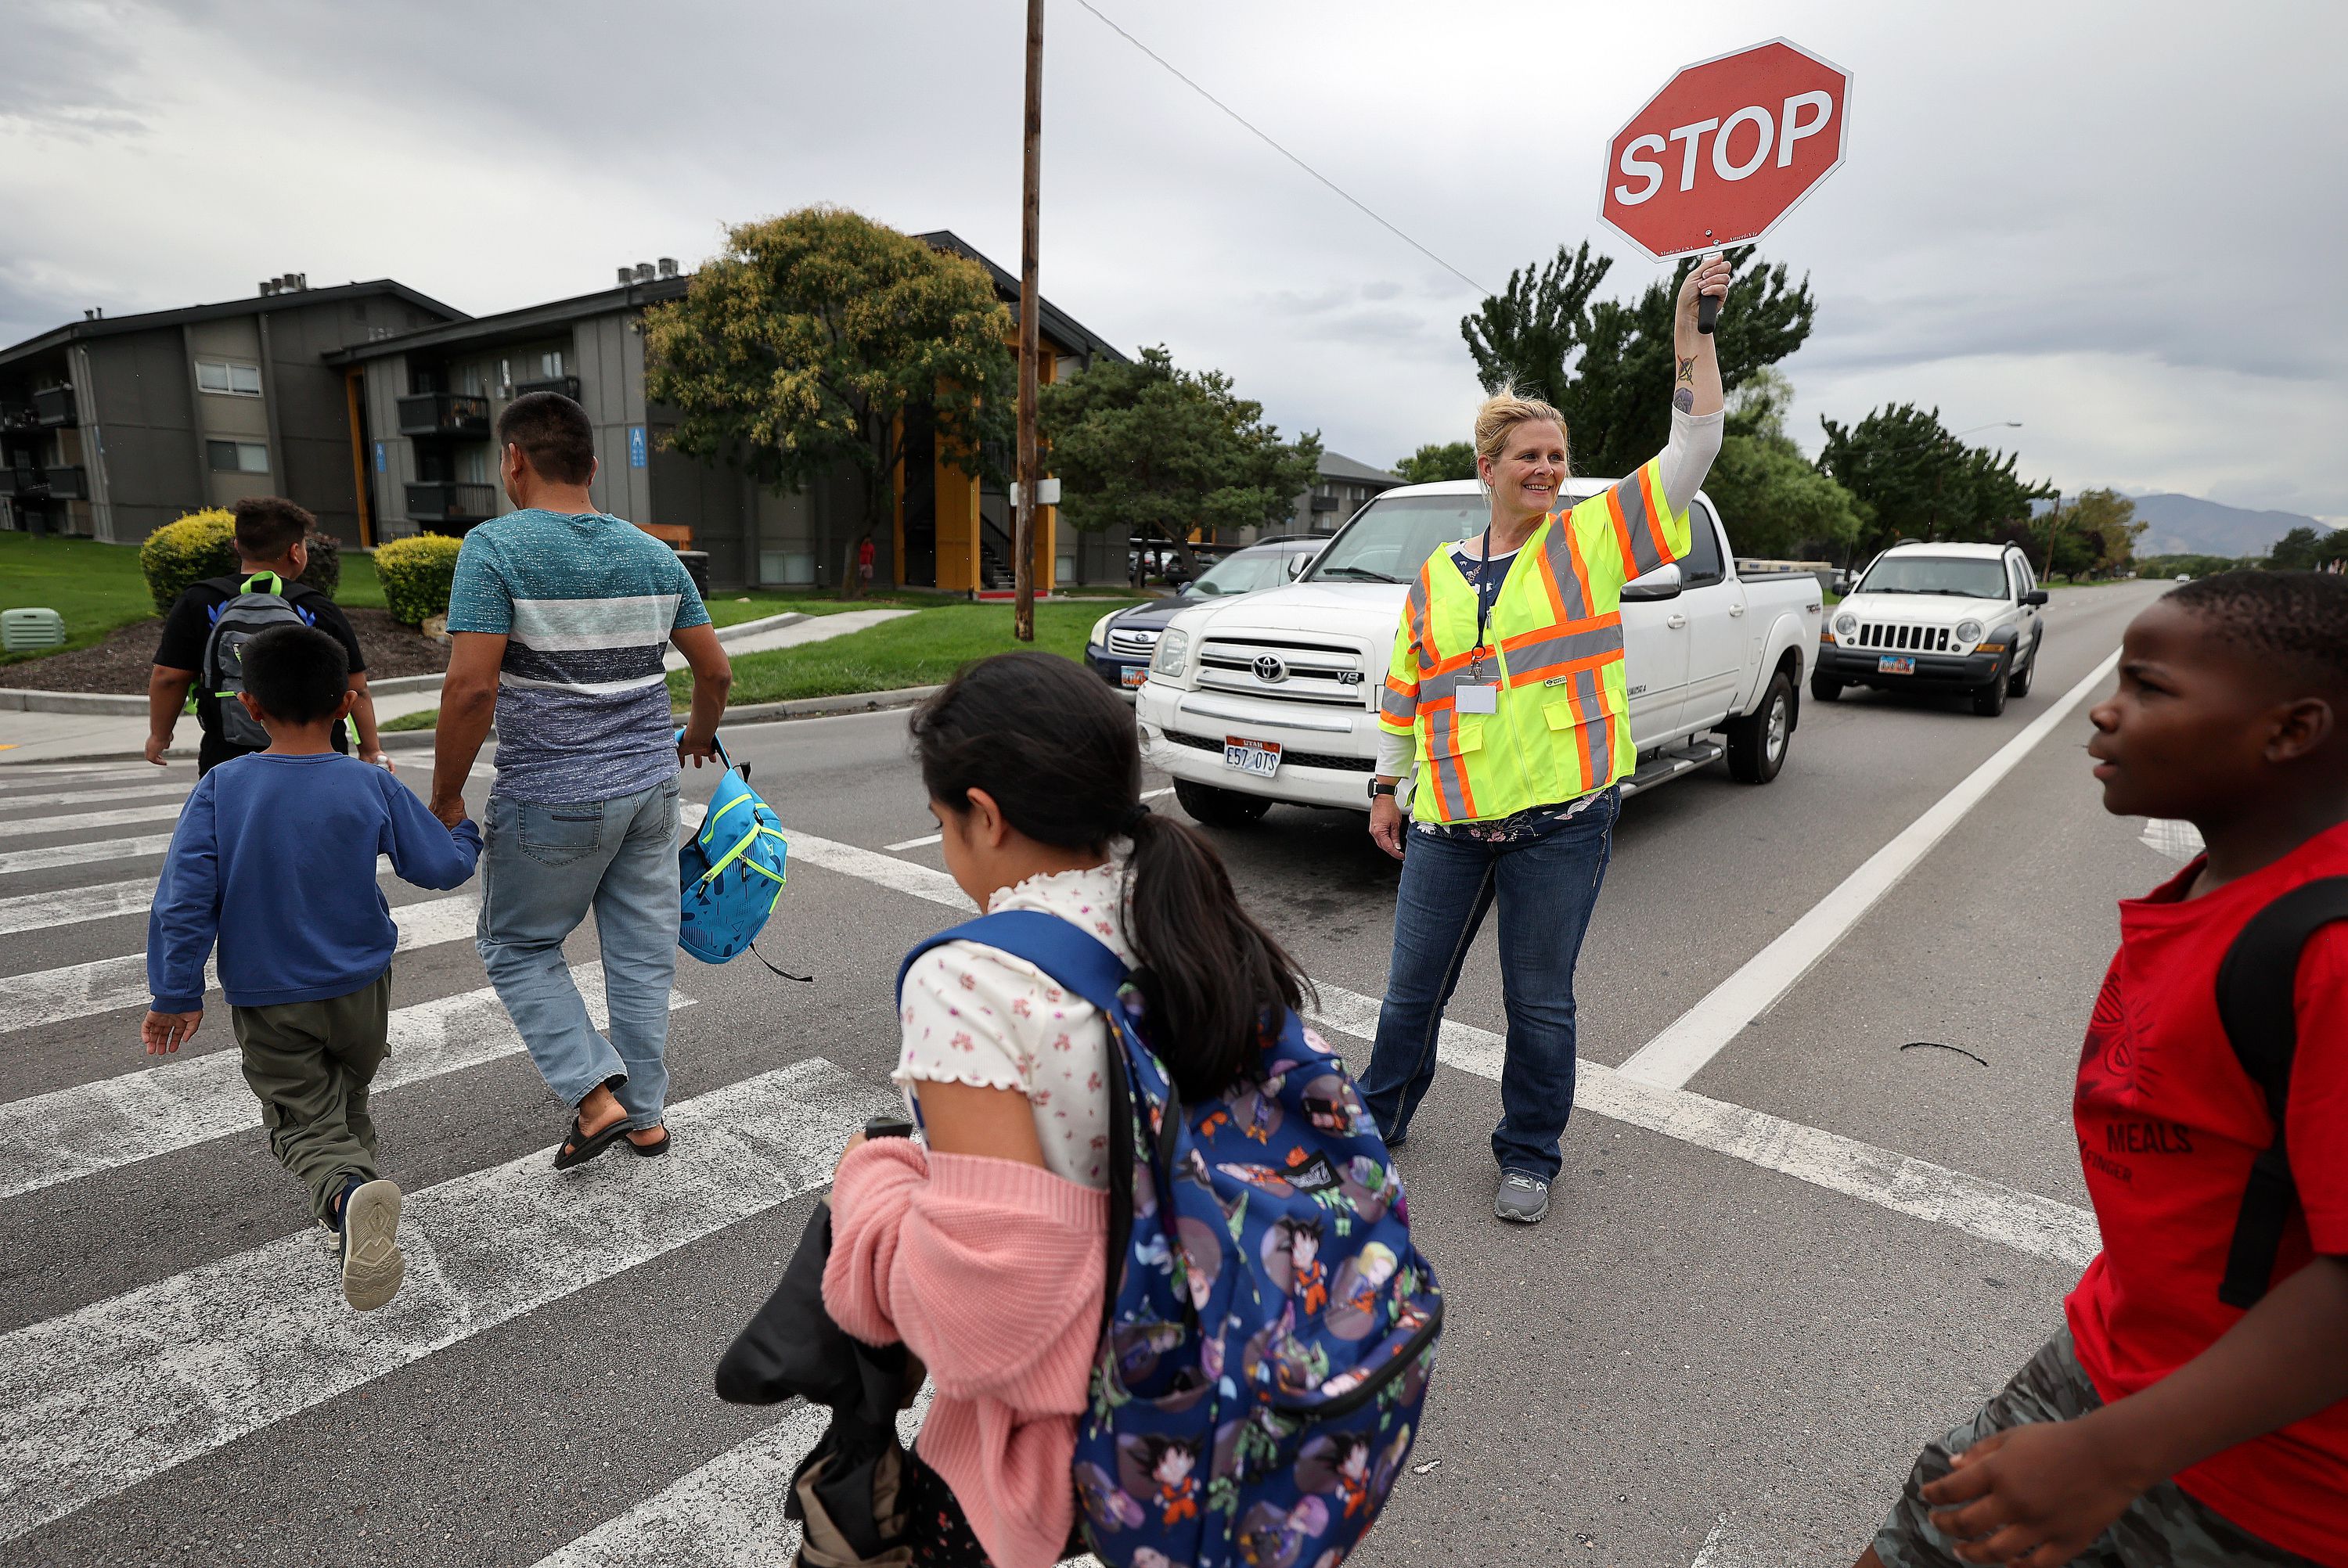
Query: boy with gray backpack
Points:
[209, 623]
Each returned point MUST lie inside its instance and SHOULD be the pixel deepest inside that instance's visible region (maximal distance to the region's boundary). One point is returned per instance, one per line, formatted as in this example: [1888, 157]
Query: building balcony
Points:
[45, 483]
[566, 385]
[19, 483]
[451, 501]
[17, 419]
[457, 413]
[53, 406]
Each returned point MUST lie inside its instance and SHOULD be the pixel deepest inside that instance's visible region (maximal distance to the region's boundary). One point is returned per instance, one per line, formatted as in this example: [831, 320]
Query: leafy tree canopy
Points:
[2305, 549]
[1773, 501]
[1608, 365]
[1430, 463]
[800, 349]
[1921, 482]
[1148, 448]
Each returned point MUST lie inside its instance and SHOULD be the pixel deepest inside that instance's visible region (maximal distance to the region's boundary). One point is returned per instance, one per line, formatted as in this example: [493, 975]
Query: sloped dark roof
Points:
[259, 304]
[513, 324]
[1057, 324]
[1337, 465]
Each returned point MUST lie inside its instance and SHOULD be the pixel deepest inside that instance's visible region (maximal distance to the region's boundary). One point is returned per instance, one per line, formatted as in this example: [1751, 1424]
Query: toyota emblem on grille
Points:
[1269, 668]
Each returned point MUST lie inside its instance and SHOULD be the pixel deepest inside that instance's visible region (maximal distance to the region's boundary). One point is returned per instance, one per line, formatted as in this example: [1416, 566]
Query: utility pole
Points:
[1023, 529]
[2054, 521]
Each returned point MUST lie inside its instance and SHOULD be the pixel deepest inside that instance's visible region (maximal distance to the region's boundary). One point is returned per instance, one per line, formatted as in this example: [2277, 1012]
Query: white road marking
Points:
[49, 856]
[77, 991]
[2025, 1221]
[99, 1400]
[2176, 840]
[726, 1515]
[14, 773]
[1681, 1051]
[72, 905]
[76, 1132]
[80, 796]
[119, 818]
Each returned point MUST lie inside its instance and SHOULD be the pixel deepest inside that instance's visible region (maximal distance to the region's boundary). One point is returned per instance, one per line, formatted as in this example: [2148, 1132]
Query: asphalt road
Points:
[1724, 1346]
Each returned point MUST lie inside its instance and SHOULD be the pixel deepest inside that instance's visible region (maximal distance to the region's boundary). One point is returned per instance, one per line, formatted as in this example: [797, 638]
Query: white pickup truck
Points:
[1273, 696]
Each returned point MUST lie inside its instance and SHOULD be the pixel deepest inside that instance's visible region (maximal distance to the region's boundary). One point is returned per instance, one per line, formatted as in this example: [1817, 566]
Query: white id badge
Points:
[1484, 698]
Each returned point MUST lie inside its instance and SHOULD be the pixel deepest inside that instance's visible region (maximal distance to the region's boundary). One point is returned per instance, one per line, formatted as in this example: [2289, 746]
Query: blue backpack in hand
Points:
[731, 871]
[1270, 1329]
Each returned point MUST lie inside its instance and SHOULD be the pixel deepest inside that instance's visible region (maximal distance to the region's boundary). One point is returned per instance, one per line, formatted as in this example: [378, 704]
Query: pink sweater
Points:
[991, 1272]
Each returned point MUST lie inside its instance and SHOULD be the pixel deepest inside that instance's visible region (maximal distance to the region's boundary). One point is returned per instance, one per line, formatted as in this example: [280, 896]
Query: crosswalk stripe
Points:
[101, 1399]
[121, 817]
[77, 991]
[726, 1515]
[79, 1131]
[51, 855]
[73, 906]
[79, 796]
[2025, 1221]
[14, 775]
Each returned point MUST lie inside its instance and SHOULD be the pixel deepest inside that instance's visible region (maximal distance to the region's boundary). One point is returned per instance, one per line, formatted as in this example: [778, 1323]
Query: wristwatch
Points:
[1377, 789]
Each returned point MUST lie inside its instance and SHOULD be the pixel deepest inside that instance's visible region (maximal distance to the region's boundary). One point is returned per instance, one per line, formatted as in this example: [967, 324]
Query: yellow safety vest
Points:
[1552, 644]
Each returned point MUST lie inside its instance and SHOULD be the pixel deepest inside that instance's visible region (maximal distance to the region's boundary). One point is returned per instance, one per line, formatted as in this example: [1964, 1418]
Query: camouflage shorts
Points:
[2162, 1529]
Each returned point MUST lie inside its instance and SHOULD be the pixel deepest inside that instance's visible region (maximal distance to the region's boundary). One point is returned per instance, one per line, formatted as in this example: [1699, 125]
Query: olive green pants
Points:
[309, 1063]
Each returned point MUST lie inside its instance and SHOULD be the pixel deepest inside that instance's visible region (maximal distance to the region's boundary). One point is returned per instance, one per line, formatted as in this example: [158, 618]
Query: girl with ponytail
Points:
[983, 1248]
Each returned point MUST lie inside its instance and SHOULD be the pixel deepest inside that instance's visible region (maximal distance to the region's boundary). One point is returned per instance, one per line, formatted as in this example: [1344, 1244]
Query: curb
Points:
[828, 707]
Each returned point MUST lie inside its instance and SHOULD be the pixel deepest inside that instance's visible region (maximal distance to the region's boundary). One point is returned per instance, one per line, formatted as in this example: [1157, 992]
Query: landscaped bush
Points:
[417, 576]
[180, 555]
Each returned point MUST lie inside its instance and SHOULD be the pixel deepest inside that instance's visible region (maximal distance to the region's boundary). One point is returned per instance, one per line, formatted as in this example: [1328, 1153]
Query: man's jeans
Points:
[545, 867]
[1546, 888]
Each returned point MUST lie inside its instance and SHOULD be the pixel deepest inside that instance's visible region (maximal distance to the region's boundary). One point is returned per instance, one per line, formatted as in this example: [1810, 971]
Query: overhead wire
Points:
[1261, 136]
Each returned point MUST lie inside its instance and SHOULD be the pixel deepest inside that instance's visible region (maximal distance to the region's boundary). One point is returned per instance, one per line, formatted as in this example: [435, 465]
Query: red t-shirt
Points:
[2169, 1123]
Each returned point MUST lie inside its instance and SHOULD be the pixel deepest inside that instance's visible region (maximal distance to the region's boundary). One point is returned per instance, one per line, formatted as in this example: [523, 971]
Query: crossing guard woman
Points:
[1507, 695]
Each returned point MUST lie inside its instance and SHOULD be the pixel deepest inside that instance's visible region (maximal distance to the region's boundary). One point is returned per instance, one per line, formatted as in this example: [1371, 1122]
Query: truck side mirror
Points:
[1661, 583]
[2035, 596]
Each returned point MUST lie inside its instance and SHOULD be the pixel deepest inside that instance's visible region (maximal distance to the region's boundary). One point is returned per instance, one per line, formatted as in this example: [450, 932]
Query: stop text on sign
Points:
[1803, 115]
[1725, 149]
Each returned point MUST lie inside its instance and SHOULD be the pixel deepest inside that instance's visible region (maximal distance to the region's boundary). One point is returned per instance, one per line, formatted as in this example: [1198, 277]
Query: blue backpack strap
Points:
[1076, 957]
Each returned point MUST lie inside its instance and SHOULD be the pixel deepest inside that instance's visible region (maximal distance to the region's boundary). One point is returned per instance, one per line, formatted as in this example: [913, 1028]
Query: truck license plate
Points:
[1888, 665]
[1134, 675]
[1260, 758]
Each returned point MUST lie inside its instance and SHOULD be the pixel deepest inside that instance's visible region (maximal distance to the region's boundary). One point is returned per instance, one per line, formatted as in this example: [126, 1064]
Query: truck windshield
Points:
[1389, 539]
[1960, 576]
[1245, 573]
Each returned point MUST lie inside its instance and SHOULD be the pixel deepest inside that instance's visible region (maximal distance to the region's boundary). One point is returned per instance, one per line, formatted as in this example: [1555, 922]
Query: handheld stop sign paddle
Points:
[1725, 149]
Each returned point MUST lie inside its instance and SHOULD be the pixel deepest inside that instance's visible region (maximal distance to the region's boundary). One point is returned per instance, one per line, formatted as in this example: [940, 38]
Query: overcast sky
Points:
[2120, 224]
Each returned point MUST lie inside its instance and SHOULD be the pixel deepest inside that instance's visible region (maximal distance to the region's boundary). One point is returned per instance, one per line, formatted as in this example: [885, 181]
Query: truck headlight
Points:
[1173, 652]
[1846, 624]
[1969, 631]
[1098, 636]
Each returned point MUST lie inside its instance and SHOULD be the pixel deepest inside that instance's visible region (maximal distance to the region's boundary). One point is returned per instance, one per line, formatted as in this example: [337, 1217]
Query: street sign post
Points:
[1729, 146]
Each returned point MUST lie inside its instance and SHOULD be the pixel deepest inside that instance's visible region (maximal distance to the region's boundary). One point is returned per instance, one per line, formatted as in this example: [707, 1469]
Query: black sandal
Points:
[652, 1150]
[579, 1148]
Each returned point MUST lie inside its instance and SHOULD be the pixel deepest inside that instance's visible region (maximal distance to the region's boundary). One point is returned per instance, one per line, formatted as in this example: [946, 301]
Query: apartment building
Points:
[113, 426]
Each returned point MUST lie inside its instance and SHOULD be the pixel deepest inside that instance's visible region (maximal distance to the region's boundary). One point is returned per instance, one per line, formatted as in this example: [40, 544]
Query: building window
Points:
[550, 364]
[237, 456]
[228, 377]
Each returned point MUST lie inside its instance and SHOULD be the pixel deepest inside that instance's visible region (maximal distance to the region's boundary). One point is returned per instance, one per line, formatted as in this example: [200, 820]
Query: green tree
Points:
[2097, 533]
[1608, 365]
[800, 348]
[1430, 463]
[2302, 549]
[1920, 482]
[1148, 448]
[1772, 500]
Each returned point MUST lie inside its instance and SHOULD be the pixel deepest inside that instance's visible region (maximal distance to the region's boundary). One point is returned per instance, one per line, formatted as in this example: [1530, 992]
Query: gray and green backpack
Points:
[252, 612]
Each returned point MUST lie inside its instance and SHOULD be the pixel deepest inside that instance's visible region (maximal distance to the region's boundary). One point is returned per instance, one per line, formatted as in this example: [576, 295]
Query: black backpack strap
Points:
[2256, 987]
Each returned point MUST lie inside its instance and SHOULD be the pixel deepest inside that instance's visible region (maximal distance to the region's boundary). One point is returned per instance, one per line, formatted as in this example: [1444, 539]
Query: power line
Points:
[1283, 153]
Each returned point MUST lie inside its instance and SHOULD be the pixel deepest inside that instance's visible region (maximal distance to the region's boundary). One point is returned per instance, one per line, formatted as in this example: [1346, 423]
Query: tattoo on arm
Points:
[1685, 400]
[1687, 369]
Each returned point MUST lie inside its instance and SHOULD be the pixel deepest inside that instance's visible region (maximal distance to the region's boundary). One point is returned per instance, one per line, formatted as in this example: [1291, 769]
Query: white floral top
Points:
[977, 1015]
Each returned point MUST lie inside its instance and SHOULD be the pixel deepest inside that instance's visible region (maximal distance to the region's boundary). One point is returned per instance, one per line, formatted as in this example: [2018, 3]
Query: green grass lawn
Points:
[98, 587]
[918, 650]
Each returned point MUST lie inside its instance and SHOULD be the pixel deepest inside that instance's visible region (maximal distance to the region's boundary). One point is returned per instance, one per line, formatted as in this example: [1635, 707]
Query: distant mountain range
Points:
[2187, 525]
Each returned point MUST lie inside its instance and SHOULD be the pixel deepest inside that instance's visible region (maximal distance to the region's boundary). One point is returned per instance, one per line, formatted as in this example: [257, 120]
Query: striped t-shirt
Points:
[586, 604]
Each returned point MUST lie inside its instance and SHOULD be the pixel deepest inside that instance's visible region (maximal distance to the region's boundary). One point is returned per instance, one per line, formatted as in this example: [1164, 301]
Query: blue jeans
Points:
[544, 868]
[1546, 888]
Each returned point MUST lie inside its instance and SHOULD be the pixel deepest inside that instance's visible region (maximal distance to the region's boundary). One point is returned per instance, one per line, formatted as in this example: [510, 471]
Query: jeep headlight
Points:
[1846, 624]
[1098, 636]
[1969, 631]
[1173, 652]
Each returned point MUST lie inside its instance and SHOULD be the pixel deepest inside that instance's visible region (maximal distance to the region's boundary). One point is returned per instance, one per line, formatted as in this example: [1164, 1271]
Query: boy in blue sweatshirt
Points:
[274, 856]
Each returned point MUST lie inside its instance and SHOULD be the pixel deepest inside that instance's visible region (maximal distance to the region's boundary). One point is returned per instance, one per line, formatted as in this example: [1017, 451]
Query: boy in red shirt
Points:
[2162, 1427]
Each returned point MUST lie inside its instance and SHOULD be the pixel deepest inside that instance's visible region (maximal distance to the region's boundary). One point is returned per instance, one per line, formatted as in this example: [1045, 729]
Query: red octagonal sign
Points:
[1725, 149]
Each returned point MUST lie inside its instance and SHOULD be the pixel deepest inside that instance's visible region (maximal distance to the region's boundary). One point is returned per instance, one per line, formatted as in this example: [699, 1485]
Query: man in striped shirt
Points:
[560, 617]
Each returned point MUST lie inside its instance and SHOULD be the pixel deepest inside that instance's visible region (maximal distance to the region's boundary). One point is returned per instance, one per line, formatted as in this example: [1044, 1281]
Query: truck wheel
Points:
[1219, 807]
[1757, 741]
[2018, 686]
[1989, 700]
[1825, 688]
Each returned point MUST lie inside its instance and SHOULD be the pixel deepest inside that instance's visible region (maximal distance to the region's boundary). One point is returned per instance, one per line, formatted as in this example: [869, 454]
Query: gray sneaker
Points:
[1522, 1198]
[373, 1265]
